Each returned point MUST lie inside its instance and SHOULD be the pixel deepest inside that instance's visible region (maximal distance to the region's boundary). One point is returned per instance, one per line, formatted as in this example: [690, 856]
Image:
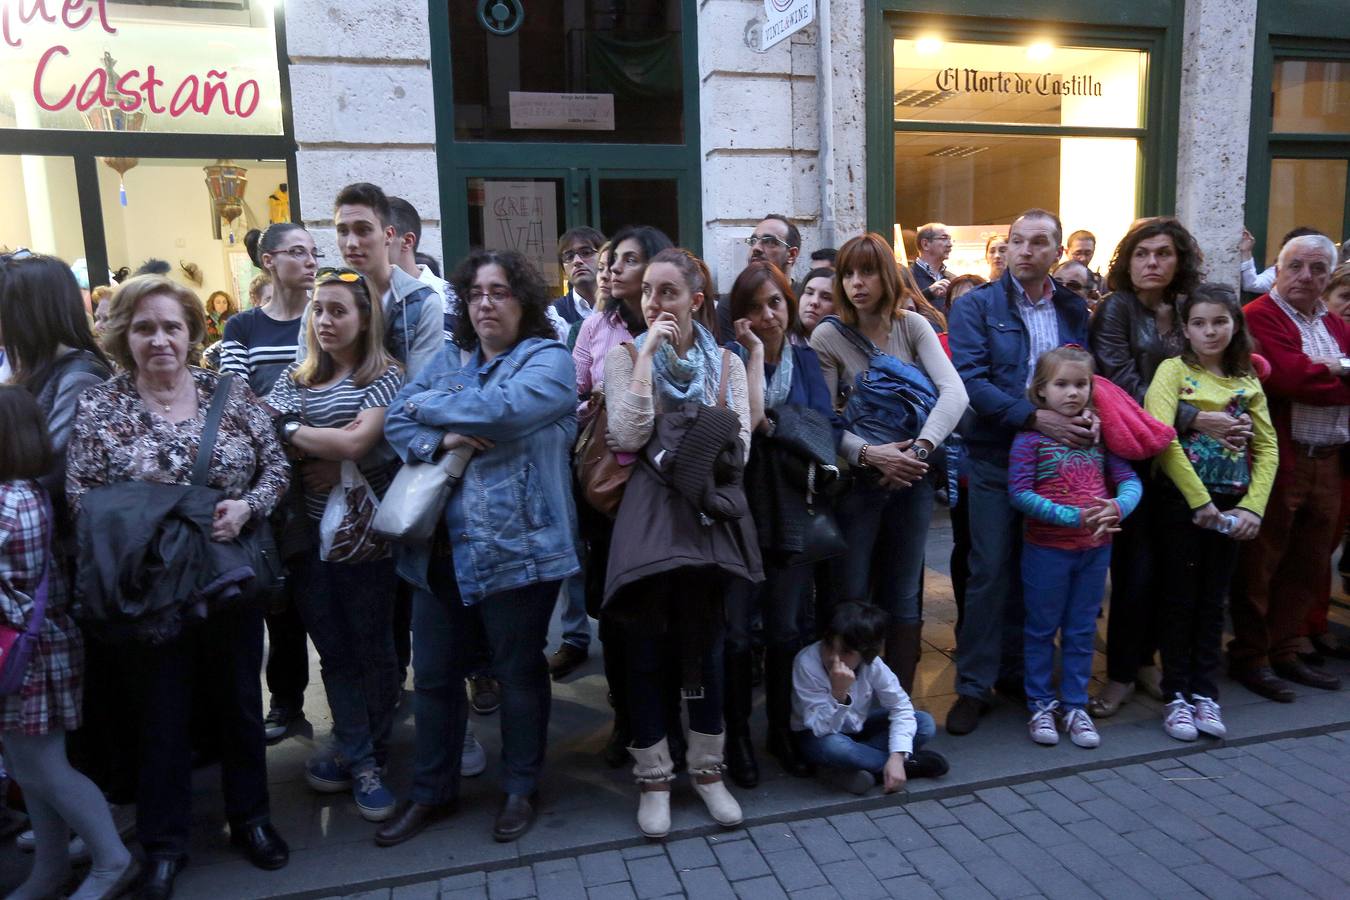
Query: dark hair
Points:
[748, 283]
[1048, 362]
[860, 627]
[527, 286]
[823, 254]
[403, 216]
[1037, 213]
[153, 266]
[1300, 231]
[41, 309]
[867, 253]
[1189, 257]
[585, 233]
[26, 451]
[821, 272]
[794, 237]
[363, 193]
[268, 241]
[652, 241]
[1082, 234]
[426, 259]
[1068, 263]
[1237, 356]
[697, 279]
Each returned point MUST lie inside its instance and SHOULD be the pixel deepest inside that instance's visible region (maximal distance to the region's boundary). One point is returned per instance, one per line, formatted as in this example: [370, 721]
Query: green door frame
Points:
[457, 161]
[1279, 35]
[1155, 26]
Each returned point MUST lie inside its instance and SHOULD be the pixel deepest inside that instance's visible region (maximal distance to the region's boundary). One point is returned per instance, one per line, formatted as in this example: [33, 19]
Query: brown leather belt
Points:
[1316, 451]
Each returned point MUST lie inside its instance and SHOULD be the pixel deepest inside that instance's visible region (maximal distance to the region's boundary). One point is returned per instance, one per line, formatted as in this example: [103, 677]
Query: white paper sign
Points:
[523, 216]
[784, 18]
[575, 112]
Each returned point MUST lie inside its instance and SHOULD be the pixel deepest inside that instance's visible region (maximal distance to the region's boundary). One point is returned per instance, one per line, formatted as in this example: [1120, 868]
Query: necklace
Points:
[149, 395]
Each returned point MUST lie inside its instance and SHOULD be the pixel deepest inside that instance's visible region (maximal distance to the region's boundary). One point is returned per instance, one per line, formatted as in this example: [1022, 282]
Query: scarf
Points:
[778, 386]
[676, 380]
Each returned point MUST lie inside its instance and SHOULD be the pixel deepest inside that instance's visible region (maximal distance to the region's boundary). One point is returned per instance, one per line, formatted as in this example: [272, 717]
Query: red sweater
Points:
[1293, 377]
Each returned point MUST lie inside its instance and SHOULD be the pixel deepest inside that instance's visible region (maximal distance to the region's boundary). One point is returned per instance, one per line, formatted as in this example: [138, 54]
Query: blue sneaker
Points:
[327, 776]
[372, 798]
[474, 759]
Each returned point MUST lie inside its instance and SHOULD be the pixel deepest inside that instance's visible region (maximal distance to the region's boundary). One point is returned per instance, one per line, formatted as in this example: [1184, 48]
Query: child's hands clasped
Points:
[1103, 517]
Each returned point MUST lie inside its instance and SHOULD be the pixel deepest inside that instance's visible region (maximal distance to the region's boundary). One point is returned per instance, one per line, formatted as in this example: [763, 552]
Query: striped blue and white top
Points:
[1042, 322]
[258, 347]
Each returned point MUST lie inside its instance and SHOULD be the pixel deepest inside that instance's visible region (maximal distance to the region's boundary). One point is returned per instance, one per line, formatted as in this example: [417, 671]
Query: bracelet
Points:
[862, 455]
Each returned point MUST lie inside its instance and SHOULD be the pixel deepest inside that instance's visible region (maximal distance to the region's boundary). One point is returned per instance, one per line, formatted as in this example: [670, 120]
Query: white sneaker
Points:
[1180, 720]
[1207, 718]
[474, 760]
[1042, 726]
[1078, 726]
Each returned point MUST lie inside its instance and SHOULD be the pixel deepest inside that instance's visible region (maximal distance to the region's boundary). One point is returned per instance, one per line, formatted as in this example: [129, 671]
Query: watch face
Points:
[920, 453]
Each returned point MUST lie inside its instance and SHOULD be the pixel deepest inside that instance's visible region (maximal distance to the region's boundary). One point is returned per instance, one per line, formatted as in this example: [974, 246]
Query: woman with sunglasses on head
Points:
[331, 406]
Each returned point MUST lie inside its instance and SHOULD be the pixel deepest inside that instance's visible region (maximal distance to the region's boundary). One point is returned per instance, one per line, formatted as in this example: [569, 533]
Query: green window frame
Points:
[1154, 26]
[574, 161]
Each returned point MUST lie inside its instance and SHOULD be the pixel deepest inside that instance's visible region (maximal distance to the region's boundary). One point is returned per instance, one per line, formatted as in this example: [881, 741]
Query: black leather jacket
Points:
[1127, 347]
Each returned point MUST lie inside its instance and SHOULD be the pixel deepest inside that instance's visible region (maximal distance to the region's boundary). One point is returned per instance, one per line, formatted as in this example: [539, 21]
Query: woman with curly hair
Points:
[1133, 330]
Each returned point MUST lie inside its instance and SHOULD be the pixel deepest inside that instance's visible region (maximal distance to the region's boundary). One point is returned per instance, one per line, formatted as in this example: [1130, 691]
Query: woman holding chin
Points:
[884, 517]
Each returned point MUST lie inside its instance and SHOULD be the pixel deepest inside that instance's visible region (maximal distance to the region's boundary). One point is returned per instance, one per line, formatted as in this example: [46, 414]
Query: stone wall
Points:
[1216, 99]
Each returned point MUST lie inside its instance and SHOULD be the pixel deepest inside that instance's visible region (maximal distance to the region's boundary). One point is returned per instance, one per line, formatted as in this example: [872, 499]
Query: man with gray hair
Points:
[1285, 568]
[929, 267]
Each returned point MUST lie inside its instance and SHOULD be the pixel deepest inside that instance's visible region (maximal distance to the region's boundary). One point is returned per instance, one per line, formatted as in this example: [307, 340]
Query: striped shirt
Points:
[1320, 426]
[258, 347]
[1042, 322]
[335, 407]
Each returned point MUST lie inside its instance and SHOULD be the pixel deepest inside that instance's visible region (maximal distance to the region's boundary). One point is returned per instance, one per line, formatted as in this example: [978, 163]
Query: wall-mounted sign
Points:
[573, 112]
[523, 216]
[784, 18]
[1044, 84]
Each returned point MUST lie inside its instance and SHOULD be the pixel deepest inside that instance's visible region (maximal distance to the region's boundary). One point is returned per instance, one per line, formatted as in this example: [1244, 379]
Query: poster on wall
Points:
[523, 216]
[242, 272]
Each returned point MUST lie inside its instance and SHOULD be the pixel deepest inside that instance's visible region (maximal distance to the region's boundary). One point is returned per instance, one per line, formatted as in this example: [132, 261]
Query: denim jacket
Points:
[511, 520]
[989, 344]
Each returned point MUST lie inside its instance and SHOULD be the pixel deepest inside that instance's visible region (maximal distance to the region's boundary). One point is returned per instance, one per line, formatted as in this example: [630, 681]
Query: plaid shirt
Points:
[1042, 323]
[1319, 426]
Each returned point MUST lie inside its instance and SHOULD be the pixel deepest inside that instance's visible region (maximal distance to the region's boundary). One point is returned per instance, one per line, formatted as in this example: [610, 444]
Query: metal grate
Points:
[922, 99]
[954, 151]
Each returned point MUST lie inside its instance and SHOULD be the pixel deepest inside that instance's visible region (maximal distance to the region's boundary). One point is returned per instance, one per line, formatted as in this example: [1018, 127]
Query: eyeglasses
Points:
[300, 253]
[330, 274]
[769, 239]
[1075, 286]
[496, 296]
[584, 253]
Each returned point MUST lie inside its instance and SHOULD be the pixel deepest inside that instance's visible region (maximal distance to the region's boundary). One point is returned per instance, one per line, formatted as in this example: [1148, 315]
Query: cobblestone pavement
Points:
[1266, 820]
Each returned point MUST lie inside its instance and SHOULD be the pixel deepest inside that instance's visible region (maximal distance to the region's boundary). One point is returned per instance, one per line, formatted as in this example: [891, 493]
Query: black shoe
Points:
[408, 821]
[263, 846]
[678, 745]
[1299, 672]
[158, 883]
[515, 816]
[740, 759]
[565, 660]
[1012, 688]
[1313, 658]
[485, 694]
[1263, 682]
[925, 764]
[278, 722]
[783, 748]
[1330, 645]
[965, 713]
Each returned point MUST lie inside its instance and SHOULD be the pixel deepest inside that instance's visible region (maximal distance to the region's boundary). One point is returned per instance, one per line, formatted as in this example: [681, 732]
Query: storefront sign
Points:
[1046, 84]
[523, 216]
[785, 18]
[575, 112]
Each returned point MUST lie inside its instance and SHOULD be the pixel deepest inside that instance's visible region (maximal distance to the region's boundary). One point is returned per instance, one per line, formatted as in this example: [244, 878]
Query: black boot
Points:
[615, 753]
[740, 752]
[778, 705]
[904, 643]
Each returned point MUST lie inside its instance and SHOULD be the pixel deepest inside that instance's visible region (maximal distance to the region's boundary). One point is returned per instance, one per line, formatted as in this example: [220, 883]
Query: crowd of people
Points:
[723, 481]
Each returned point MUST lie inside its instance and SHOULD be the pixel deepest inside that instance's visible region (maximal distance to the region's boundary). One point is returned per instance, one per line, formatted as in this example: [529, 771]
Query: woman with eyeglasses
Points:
[506, 390]
[331, 406]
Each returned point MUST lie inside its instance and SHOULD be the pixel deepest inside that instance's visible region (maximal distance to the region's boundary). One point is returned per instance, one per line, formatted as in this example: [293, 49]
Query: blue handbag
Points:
[890, 401]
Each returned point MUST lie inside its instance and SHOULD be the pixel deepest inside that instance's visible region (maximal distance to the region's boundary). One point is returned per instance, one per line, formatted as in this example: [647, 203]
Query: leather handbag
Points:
[821, 538]
[601, 472]
[17, 647]
[417, 497]
[891, 400]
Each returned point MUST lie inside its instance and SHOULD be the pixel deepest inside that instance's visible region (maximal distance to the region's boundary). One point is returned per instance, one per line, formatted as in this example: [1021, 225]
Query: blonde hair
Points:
[122, 308]
[374, 361]
[255, 287]
[1049, 363]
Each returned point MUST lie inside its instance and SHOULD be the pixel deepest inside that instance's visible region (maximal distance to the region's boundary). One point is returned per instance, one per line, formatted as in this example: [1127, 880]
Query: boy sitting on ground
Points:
[849, 714]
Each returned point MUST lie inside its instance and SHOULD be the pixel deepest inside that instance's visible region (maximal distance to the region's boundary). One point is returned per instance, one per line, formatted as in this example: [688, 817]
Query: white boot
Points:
[705, 768]
[654, 771]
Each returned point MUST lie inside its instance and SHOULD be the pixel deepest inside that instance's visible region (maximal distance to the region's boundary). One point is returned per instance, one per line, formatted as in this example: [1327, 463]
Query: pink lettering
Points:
[37, 80]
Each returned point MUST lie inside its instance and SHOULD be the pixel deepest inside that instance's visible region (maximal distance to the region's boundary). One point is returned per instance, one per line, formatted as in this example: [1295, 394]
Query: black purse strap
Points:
[210, 428]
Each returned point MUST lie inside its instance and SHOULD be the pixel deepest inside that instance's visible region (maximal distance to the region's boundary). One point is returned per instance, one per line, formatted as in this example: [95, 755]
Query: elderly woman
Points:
[506, 390]
[145, 425]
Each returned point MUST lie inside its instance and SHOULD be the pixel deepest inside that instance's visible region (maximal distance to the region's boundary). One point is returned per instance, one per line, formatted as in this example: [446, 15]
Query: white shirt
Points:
[814, 708]
[1254, 283]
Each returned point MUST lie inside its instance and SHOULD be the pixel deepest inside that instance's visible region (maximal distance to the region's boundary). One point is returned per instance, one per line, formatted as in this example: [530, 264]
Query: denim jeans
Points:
[989, 645]
[886, 532]
[783, 597]
[867, 750]
[515, 623]
[348, 609]
[1063, 590]
[576, 626]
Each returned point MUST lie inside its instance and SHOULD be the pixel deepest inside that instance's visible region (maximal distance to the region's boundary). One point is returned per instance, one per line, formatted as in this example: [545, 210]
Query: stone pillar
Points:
[1216, 100]
[363, 106]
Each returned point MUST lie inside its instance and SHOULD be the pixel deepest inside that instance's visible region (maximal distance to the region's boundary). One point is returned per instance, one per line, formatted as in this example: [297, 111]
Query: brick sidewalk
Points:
[1267, 820]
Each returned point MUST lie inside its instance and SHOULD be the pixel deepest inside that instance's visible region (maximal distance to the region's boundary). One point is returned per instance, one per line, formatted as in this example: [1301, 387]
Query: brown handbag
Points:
[600, 472]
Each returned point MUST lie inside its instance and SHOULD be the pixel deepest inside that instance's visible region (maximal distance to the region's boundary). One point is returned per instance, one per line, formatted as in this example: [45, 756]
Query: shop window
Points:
[181, 66]
[1307, 192]
[602, 72]
[42, 211]
[1311, 96]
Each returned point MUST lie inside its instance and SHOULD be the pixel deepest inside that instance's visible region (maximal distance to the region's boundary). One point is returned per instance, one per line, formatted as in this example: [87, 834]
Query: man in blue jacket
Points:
[997, 333]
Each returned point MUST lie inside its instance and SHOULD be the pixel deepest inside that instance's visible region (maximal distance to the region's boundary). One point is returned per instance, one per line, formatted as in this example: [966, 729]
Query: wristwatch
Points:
[920, 453]
[287, 426]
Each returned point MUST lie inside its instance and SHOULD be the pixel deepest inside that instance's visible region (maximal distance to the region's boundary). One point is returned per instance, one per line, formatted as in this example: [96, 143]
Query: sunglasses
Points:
[332, 274]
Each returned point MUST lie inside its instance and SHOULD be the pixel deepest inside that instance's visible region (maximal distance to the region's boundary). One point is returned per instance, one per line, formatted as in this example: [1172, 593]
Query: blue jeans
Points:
[576, 626]
[886, 532]
[1063, 590]
[348, 609]
[868, 749]
[515, 623]
[989, 645]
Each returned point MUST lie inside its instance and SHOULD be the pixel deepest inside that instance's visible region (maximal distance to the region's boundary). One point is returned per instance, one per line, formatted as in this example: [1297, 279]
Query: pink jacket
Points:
[598, 335]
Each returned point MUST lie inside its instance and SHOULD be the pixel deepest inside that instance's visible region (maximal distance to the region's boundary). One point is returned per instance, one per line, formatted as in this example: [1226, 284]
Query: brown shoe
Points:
[515, 816]
[565, 660]
[1330, 645]
[1263, 682]
[1299, 672]
[408, 821]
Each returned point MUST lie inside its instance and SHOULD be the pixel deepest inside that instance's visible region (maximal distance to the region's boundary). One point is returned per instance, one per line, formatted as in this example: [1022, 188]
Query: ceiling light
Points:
[928, 46]
[1040, 50]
